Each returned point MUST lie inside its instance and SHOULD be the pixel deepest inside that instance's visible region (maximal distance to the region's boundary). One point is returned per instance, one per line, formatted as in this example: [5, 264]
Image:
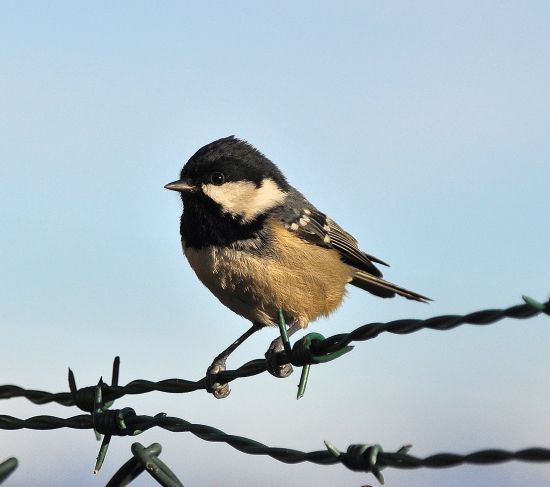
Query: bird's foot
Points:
[275, 369]
[220, 391]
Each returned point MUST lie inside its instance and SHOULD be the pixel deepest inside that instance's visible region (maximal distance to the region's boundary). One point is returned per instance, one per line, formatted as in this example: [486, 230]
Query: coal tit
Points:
[259, 245]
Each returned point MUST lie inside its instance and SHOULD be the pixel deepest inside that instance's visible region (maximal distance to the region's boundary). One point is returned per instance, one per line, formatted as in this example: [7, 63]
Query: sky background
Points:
[420, 127]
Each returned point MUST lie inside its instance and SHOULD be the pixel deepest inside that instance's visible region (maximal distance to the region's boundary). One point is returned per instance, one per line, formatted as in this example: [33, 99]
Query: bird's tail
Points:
[380, 287]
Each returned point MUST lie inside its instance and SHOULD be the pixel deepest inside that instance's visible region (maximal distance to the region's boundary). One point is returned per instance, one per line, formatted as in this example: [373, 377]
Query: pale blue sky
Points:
[421, 127]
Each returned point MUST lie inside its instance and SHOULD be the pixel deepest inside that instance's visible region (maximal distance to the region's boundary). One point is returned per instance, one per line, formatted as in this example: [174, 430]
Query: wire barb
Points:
[145, 459]
[399, 459]
[109, 422]
[361, 458]
[7, 467]
[318, 348]
[542, 307]
[313, 348]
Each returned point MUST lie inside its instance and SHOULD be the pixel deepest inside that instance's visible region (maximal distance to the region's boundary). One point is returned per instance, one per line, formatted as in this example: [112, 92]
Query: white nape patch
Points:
[244, 199]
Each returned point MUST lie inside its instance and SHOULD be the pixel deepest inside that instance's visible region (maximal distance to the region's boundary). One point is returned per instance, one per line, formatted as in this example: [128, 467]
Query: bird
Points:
[260, 246]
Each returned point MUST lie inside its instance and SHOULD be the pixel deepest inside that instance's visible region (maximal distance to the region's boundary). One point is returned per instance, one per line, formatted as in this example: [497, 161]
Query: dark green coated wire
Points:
[530, 309]
[301, 353]
[7, 467]
[310, 339]
[99, 408]
[358, 457]
[145, 459]
[281, 322]
[303, 381]
[397, 459]
[288, 351]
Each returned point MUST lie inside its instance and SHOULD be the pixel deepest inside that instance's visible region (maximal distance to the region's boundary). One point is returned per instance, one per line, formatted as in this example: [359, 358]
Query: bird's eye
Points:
[217, 178]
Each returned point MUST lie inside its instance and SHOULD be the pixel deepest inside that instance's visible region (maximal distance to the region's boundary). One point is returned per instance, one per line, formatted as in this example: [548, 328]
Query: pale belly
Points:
[304, 282]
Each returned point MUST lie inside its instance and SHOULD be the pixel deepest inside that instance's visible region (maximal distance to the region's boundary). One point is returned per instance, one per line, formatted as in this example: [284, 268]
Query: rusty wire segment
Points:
[368, 458]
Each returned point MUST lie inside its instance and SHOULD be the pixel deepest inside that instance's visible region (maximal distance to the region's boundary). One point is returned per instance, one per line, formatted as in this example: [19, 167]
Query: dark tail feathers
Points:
[384, 289]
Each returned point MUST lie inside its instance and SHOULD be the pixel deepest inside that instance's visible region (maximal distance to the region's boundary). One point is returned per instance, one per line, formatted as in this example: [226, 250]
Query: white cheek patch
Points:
[244, 199]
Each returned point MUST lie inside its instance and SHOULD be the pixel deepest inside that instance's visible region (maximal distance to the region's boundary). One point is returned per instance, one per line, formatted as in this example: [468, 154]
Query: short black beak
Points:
[180, 185]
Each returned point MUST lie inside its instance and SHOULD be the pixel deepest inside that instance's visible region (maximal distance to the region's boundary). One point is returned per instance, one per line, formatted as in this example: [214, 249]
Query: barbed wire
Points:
[308, 350]
[357, 457]
[305, 351]
[145, 460]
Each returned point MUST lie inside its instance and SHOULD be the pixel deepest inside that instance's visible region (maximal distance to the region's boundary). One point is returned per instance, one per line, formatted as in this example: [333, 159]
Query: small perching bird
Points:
[259, 245]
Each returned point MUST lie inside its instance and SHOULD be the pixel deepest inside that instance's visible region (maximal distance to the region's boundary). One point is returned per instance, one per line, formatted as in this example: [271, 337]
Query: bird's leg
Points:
[221, 391]
[274, 369]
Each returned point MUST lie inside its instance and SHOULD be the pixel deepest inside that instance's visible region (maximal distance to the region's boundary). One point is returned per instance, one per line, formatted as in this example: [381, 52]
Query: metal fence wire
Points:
[311, 349]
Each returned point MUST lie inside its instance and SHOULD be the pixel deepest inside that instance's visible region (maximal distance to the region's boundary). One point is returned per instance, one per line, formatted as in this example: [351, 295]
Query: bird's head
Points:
[230, 176]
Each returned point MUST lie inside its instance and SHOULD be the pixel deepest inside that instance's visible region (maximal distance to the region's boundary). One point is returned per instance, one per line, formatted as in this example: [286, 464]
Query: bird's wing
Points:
[317, 228]
[301, 217]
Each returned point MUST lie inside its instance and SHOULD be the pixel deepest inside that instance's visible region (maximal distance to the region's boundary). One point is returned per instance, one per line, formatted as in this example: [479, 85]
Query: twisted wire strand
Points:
[483, 457]
[318, 347]
[368, 458]
[285, 455]
[439, 323]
